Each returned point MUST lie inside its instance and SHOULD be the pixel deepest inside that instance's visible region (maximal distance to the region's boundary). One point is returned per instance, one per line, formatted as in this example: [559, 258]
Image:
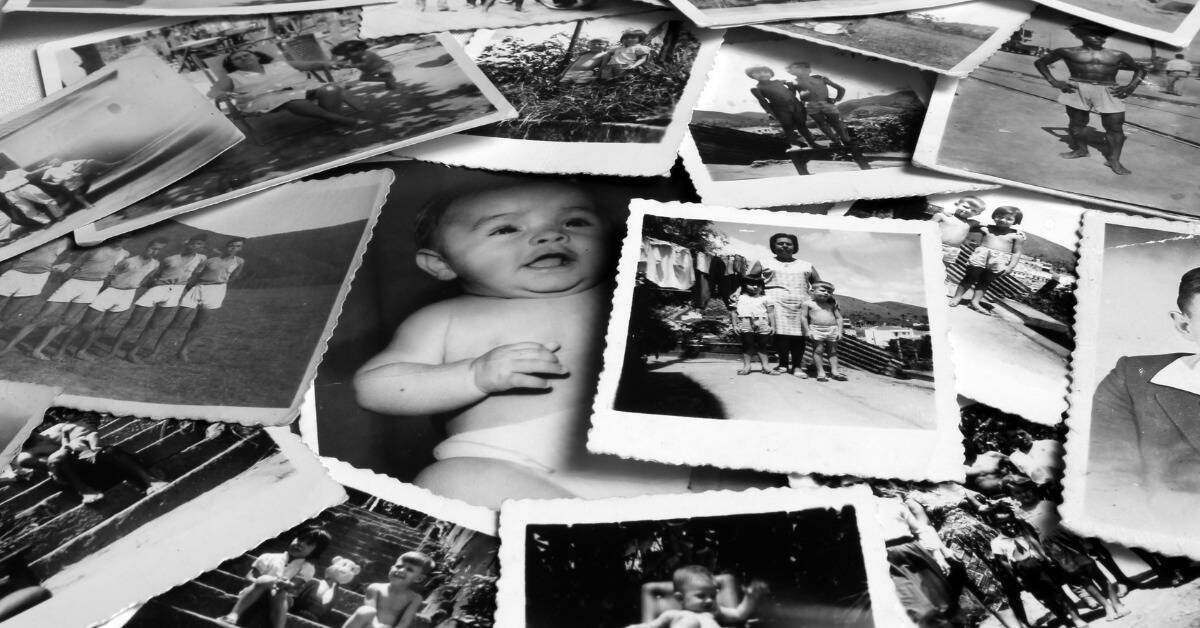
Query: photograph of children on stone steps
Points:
[366, 563]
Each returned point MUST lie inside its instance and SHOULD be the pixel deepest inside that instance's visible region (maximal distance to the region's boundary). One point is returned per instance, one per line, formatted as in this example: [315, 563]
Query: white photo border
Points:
[930, 454]
[268, 7]
[1180, 37]
[797, 10]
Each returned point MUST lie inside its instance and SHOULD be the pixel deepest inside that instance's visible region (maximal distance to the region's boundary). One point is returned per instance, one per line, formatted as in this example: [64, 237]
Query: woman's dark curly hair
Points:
[263, 58]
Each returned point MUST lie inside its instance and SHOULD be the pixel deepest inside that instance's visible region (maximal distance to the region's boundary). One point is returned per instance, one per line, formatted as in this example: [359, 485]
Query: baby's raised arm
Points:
[748, 606]
[412, 377]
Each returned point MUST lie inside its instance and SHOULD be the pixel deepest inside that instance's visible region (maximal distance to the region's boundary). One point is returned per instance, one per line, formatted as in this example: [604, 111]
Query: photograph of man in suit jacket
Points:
[1144, 454]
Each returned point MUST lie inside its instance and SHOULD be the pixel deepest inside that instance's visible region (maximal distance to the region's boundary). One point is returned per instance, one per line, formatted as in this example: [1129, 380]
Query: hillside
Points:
[286, 259]
[1037, 246]
[883, 104]
[883, 312]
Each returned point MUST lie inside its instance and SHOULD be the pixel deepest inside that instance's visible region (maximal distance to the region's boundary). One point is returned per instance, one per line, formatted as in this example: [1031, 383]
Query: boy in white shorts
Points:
[65, 306]
[513, 361]
[115, 298]
[159, 302]
[206, 292]
[27, 276]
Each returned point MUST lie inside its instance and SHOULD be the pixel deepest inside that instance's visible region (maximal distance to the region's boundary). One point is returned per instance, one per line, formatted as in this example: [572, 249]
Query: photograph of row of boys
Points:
[467, 354]
[366, 563]
[614, 79]
[830, 340]
[768, 570]
[302, 88]
[1094, 111]
[85, 483]
[776, 106]
[1143, 461]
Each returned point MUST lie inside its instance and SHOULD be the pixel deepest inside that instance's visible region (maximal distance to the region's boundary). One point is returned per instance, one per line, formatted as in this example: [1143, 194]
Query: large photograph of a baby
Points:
[1136, 384]
[477, 376]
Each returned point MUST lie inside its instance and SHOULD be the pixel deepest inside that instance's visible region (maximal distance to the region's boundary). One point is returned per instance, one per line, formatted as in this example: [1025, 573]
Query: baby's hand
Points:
[757, 589]
[520, 365]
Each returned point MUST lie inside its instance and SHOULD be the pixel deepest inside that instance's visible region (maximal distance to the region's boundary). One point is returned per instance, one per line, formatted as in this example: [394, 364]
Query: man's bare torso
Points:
[1097, 66]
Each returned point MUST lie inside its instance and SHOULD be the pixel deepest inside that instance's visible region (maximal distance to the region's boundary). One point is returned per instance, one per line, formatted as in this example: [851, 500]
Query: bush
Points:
[527, 74]
[888, 133]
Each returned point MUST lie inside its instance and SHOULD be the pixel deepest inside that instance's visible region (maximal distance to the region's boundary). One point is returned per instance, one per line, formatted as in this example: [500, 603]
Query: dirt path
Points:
[1177, 607]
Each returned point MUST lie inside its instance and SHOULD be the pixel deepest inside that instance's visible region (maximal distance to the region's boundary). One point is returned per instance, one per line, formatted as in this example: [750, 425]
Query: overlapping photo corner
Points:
[176, 7]
[221, 314]
[951, 40]
[603, 96]
[722, 13]
[1175, 23]
[1008, 123]
[92, 504]
[329, 112]
[429, 16]
[752, 143]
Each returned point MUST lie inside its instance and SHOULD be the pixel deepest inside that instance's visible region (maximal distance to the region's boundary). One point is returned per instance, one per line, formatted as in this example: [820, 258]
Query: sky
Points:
[1051, 218]
[310, 205]
[728, 87]
[869, 266]
[1139, 285]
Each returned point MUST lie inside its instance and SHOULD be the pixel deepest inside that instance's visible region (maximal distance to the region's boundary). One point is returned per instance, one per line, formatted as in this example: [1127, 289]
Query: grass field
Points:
[901, 40]
[252, 352]
[1163, 15]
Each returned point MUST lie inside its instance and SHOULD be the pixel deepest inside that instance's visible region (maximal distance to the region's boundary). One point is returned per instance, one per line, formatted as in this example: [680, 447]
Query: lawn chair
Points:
[307, 48]
[242, 120]
[657, 597]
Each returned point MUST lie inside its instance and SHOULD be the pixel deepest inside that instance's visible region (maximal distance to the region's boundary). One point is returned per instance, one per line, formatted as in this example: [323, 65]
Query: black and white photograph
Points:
[770, 558]
[1075, 109]
[783, 121]
[387, 556]
[605, 96]
[93, 503]
[949, 40]
[785, 343]
[1010, 280]
[950, 546]
[303, 107]
[429, 16]
[1135, 445]
[115, 137]
[22, 406]
[719, 13]
[518, 440]
[1173, 21]
[221, 314]
[177, 7]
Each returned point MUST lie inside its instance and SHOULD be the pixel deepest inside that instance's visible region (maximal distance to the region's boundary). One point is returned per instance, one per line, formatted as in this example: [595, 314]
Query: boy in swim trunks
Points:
[205, 294]
[777, 99]
[28, 275]
[813, 90]
[394, 604]
[998, 253]
[513, 361]
[695, 588]
[123, 283]
[65, 306]
[956, 225]
[825, 329]
[160, 301]
[1093, 87]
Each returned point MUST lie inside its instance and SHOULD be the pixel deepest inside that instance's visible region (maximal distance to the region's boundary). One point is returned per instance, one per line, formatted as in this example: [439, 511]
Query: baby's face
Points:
[534, 241]
[699, 596]
[406, 574]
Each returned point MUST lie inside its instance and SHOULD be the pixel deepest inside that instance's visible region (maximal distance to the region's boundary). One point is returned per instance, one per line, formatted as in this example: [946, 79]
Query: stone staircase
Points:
[57, 531]
[371, 539]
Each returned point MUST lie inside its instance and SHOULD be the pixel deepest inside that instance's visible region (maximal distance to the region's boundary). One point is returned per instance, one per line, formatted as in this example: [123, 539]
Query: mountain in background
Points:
[881, 313]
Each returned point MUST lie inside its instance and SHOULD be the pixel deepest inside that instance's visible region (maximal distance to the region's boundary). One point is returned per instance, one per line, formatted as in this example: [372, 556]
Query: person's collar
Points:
[1183, 374]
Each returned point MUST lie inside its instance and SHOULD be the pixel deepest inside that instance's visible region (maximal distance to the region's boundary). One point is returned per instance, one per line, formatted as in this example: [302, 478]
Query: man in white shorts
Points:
[159, 302]
[27, 276]
[117, 297]
[31, 202]
[64, 307]
[205, 295]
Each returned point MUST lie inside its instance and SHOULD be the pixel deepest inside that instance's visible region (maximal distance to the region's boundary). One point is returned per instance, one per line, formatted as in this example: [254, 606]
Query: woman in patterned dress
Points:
[788, 282]
[952, 510]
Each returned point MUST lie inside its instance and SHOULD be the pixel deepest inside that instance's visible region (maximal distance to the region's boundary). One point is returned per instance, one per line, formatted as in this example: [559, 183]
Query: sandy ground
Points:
[1177, 607]
[1000, 363]
[1140, 12]
[866, 400]
[1007, 124]
[785, 168]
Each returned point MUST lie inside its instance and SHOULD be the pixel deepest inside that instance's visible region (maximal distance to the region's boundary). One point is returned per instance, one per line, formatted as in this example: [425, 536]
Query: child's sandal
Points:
[822, 379]
[838, 378]
[743, 372]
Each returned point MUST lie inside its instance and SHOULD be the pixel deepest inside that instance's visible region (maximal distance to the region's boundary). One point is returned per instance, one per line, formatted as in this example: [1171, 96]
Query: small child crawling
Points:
[514, 360]
[695, 589]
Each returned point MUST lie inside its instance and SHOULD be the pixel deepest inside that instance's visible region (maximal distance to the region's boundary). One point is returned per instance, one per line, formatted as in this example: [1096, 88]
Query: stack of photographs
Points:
[615, 313]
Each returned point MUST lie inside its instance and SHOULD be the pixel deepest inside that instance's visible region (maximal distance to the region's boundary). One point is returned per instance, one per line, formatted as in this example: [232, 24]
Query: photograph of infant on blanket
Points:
[365, 563]
[762, 569]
